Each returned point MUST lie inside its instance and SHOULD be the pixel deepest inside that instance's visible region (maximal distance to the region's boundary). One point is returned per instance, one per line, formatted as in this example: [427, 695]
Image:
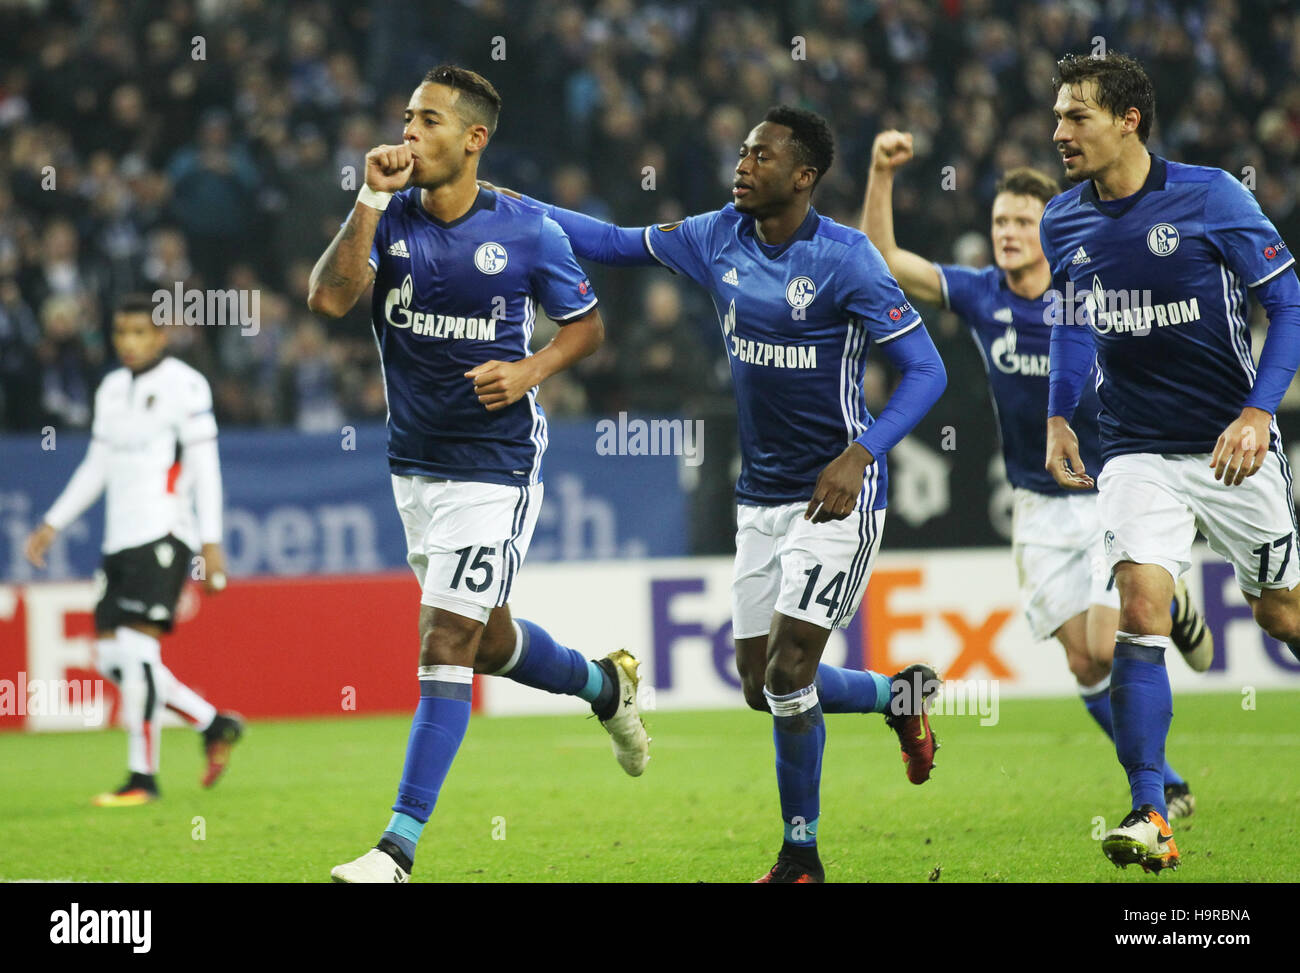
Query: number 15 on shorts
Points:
[476, 574]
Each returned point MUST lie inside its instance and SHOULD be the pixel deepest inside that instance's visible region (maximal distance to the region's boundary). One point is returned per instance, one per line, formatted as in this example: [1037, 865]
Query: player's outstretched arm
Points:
[916, 275]
[83, 489]
[923, 380]
[592, 239]
[343, 272]
[500, 384]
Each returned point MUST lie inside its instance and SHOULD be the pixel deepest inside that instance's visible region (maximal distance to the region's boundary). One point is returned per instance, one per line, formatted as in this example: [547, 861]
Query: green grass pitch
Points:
[540, 799]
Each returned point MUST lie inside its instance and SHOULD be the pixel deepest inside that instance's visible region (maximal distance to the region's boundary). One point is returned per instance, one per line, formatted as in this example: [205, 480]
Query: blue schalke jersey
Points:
[448, 297]
[1160, 278]
[797, 320]
[1013, 336]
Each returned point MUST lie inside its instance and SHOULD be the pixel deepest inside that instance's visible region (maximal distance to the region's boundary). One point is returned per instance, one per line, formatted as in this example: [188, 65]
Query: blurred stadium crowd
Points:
[128, 161]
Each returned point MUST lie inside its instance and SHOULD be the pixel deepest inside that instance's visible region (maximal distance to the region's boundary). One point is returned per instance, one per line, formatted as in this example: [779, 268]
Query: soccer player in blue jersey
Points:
[800, 300]
[1153, 260]
[459, 273]
[1056, 536]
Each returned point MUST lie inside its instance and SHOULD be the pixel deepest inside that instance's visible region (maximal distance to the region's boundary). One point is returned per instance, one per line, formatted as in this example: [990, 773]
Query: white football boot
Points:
[626, 731]
[1189, 632]
[375, 867]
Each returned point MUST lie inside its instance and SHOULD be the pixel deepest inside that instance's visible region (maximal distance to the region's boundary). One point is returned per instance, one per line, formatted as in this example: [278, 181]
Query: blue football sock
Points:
[441, 719]
[851, 690]
[1096, 699]
[799, 733]
[1142, 708]
[404, 831]
[543, 663]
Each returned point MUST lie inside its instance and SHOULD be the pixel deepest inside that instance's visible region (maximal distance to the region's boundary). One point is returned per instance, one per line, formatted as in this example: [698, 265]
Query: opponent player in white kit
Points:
[1065, 588]
[458, 275]
[1153, 260]
[154, 451]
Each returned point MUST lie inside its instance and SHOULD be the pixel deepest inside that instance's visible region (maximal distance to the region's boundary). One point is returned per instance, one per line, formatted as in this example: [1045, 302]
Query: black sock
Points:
[805, 856]
[396, 854]
[605, 705]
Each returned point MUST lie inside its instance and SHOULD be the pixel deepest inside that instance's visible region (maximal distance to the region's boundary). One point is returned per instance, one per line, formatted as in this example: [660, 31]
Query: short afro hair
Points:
[479, 102]
[135, 303]
[814, 145]
[1121, 85]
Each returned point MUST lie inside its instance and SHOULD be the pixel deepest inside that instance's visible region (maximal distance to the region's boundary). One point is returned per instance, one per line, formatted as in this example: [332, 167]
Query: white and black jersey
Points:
[153, 451]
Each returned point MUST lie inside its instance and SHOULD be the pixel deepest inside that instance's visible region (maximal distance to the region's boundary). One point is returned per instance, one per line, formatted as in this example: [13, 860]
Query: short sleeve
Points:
[960, 286]
[197, 423]
[1239, 230]
[559, 285]
[871, 293]
[683, 247]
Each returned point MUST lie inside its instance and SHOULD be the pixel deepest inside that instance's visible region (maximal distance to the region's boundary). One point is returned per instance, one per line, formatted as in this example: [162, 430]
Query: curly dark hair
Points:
[479, 102]
[814, 145]
[1121, 84]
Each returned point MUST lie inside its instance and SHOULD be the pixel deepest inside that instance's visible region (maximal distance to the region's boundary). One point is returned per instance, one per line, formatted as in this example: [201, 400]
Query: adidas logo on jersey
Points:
[731, 278]
[398, 249]
[1003, 315]
[1081, 257]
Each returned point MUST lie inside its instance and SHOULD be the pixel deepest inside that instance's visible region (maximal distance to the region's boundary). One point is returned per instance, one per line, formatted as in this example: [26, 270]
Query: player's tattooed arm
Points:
[916, 275]
[343, 272]
[500, 384]
[1063, 460]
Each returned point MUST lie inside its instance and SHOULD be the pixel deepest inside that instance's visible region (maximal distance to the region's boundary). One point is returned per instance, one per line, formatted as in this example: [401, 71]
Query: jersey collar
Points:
[484, 200]
[1118, 207]
[145, 371]
[806, 231]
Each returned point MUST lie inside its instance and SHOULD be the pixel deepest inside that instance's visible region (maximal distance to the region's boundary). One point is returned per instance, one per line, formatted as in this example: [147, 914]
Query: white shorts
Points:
[466, 541]
[1153, 505]
[1060, 561]
[814, 572]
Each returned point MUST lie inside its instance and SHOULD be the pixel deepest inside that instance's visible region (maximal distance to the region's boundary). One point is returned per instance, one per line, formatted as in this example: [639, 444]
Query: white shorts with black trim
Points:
[814, 572]
[1060, 563]
[1152, 505]
[466, 541]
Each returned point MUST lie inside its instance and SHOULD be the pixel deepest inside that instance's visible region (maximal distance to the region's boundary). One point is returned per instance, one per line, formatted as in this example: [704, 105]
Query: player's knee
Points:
[753, 690]
[790, 669]
[442, 645]
[1280, 621]
[1143, 615]
[495, 647]
[1085, 670]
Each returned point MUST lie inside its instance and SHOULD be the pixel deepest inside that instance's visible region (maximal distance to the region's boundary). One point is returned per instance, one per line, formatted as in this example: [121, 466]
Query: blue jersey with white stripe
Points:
[1160, 278]
[1013, 336]
[797, 320]
[448, 297]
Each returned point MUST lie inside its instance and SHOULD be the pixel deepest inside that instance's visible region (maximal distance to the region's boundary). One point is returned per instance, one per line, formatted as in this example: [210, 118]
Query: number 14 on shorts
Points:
[828, 596]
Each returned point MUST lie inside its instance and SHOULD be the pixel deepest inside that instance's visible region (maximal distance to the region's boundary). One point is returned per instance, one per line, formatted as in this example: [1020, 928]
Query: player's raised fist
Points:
[388, 168]
[891, 149]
